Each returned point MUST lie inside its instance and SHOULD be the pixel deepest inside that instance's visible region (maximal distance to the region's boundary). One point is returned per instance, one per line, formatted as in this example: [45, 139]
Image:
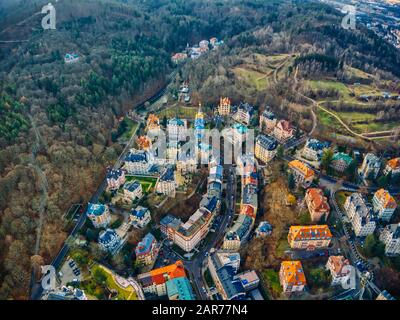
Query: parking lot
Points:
[69, 273]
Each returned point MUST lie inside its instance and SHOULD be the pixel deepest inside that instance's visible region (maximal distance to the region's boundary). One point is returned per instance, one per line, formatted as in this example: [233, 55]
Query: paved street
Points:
[196, 266]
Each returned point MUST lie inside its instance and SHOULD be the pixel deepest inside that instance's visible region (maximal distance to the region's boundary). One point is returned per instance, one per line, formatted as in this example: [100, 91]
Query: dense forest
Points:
[59, 118]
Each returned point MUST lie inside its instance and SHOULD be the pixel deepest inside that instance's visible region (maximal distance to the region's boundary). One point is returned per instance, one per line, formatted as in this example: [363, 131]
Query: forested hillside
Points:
[62, 119]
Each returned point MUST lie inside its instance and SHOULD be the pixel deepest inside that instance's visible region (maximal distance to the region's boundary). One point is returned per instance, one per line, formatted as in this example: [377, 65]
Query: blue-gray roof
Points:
[145, 245]
[114, 174]
[132, 186]
[139, 212]
[317, 145]
[267, 142]
[139, 156]
[107, 236]
[168, 174]
[96, 209]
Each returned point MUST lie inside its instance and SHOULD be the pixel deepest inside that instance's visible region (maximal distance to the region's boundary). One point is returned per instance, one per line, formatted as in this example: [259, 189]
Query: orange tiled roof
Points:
[161, 275]
[225, 101]
[152, 121]
[293, 272]
[318, 199]
[247, 210]
[338, 262]
[143, 142]
[299, 233]
[306, 171]
[385, 197]
[394, 163]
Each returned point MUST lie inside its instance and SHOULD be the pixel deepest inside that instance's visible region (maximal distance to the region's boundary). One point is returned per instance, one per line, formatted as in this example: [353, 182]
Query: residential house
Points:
[341, 161]
[71, 58]
[267, 121]
[393, 167]
[370, 167]
[224, 107]
[292, 277]
[283, 131]
[153, 123]
[384, 204]
[110, 241]
[390, 236]
[166, 183]
[317, 204]
[340, 269]
[360, 215]
[314, 149]
[264, 229]
[144, 143]
[99, 214]
[243, 113]
[115, 178]
[140, 217]
[303, 175]
[132, 191]
[179, 57]
[203, 43]
[147, 250]
[309, 237]
[266, 148]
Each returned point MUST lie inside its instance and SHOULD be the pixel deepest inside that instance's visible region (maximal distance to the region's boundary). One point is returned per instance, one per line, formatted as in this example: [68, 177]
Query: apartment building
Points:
[177, 129]
[317, 204]
[309, 237]
[360, 215]
[340, 269]
[238, 233]
[370, 167]
[138, 162]
[283, 131]
[265, 148]
[110, 241]
[267, 121]
[303, 175]
[384, 204]
[292, 277]
[314, 149]
[166, 183]
[243, 113]
[153, 123]
[180, 289]
[390, 236]
[187, 235]
[223, 267]
[154, 282]
[99, 214]
[132, 191]
[115, 178]
[140, 217]
[224, 107]
[147, 250]
[393, 167]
